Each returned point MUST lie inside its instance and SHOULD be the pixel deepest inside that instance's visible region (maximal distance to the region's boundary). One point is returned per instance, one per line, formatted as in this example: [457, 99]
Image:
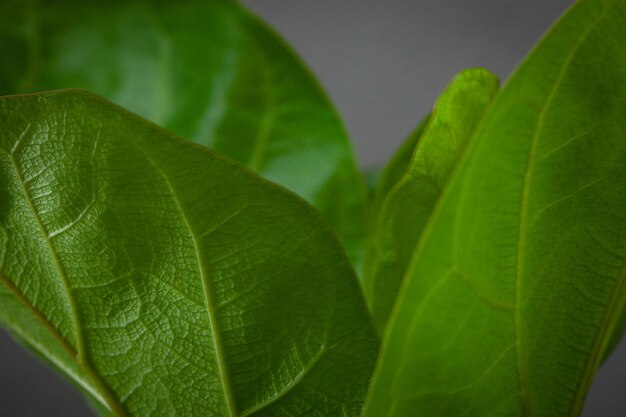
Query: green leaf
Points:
[165, 279]
[517, 282]
[205, 70]
[397, 166]
[379, 186]
[372, 177]
[408, 204]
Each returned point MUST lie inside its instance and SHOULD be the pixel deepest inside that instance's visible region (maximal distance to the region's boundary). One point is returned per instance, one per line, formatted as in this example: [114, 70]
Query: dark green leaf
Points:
[206, 70]
[517, 283]
[166, 280]
[409, 202]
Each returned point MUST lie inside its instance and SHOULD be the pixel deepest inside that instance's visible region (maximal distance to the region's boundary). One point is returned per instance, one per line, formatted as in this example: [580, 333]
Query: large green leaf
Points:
[206, 70]
[166, 280]
[408, 204]
[517, 283]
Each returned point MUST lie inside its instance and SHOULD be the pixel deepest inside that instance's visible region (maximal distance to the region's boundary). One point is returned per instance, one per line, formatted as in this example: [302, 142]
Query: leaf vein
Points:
[208, 290]
[81, 353]
[524, 203]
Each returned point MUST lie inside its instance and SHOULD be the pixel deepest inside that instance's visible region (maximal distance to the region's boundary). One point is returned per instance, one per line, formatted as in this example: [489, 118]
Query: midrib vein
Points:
[96, 388]
[69, 349]
[261, 142]
[80, 344]
[210, 305]
[207, 287]
[523, 225]
[79, 354]
[265, 124]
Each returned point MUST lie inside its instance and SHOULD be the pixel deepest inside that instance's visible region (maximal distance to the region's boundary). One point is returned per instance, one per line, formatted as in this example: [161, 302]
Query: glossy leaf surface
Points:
[408, 204]
[165, 279]
[517, 283]
[206, 70]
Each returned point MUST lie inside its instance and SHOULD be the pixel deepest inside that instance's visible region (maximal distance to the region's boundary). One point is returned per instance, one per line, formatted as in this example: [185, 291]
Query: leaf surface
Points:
[428, 163]
[206, 70]
[398, 164]
[517, 284]
[166, 280]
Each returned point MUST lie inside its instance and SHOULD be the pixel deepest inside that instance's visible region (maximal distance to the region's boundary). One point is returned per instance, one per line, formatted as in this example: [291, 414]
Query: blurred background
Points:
[383, 63]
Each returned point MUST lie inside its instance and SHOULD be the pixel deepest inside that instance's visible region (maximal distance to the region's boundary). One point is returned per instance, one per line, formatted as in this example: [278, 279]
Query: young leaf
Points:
[409, 203]
[397, 166]
[166, 280]
[206, 70]
[517, 282]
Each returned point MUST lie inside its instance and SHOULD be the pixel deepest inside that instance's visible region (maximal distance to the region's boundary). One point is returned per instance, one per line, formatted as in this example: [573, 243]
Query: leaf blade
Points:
[536, 325]
[210, 72]
[399, 163]
[185, 270]
[408, 203]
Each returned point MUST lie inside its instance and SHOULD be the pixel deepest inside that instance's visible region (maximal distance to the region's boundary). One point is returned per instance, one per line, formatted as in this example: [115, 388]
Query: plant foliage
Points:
[166, 279]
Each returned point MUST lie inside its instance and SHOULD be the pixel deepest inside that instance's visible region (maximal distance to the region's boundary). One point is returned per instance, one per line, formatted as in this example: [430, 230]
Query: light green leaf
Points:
[379, 186]
[397, 166]
[165, 279]
[517, 282]
[206, 70]
[408, 204]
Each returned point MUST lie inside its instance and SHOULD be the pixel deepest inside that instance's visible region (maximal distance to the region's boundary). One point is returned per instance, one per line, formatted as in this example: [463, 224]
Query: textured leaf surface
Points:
[166, 280]
[206, 70]
[408, 204]
[518, 279]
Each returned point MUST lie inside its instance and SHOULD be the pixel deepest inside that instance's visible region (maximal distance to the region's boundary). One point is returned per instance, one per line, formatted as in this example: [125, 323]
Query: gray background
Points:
[383, 64]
